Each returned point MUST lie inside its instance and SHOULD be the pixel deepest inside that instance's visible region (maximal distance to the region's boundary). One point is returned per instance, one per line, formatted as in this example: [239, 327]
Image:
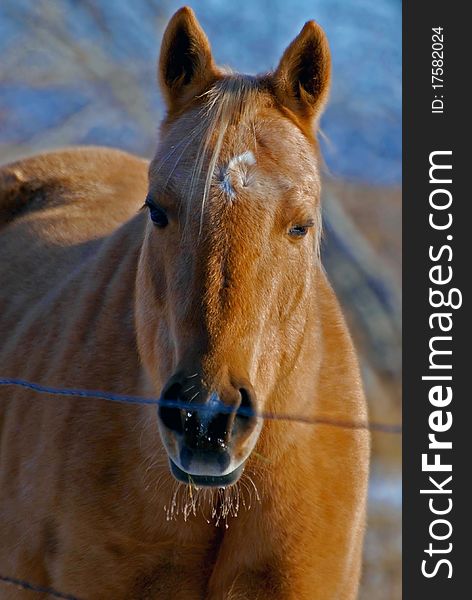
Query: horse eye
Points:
[298, 231]
[158, 215]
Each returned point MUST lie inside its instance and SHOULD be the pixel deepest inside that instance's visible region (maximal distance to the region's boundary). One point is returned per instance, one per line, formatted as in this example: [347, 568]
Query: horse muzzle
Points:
[208, 435]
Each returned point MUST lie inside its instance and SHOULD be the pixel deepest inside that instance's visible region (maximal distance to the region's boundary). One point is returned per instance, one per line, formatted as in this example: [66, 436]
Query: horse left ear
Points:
[186, 66]
[303, 75]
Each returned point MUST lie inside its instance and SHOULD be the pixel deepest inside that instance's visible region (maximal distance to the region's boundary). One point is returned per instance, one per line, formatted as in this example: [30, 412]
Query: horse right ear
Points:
[186, 66]
[303, 75]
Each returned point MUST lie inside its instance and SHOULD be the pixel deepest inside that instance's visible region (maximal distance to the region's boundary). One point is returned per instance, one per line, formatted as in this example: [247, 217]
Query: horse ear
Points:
[186, 66]
[303, 75]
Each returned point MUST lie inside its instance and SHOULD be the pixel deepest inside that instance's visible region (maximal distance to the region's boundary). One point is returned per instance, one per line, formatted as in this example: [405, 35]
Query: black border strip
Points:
[425, 132]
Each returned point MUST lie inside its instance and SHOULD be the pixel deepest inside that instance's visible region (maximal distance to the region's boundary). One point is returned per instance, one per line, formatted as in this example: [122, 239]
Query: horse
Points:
[194, 279]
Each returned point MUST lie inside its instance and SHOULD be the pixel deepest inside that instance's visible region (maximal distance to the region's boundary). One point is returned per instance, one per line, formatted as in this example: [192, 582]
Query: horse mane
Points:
[69, 174]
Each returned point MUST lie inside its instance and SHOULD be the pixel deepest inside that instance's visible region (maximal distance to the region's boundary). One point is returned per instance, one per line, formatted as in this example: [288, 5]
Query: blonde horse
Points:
[213, 298]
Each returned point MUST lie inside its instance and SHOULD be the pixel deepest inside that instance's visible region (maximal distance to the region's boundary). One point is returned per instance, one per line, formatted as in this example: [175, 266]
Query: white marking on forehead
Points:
[235, 166]
[247, 158]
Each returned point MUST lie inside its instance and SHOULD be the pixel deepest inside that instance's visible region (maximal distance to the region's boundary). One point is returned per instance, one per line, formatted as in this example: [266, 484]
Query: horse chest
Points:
[171, 572]
[170, 581]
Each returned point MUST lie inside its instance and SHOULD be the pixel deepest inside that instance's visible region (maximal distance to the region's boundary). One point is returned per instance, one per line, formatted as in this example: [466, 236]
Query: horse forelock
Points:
[215, 137]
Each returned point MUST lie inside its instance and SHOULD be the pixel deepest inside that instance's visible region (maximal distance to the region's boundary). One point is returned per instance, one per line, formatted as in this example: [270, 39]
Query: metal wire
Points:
[27, 585]
[245, 411]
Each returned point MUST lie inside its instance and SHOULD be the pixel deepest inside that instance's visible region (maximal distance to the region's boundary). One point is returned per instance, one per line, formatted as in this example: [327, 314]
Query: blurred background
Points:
[84, 71]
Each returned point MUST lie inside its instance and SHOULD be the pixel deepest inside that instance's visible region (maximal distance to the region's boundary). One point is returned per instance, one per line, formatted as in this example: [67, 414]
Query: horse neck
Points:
[101, 310]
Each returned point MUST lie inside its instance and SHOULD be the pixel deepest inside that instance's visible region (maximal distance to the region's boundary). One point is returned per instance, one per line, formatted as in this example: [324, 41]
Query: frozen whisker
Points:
[217, 506]
[256, 492]
[173, 509]
[194, 396]
[245, 488]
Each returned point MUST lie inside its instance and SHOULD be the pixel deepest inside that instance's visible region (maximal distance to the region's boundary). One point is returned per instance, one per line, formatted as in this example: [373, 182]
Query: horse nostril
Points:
[247, 403]
[171, 416]
[246, 412]
[211, 424]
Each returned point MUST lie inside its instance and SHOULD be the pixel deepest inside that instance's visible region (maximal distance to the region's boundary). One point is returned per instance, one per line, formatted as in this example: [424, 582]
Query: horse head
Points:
[226, 274]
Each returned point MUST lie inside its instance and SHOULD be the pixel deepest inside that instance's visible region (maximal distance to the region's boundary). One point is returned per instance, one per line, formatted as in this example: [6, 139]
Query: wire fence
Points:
[31, 587]
[194, 407]
[390, 428]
